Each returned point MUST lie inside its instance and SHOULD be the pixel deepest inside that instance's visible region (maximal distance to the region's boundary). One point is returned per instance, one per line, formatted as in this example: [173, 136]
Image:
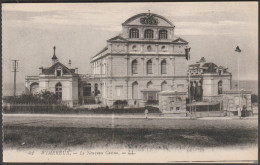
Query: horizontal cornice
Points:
[137, 54]
[147, 42]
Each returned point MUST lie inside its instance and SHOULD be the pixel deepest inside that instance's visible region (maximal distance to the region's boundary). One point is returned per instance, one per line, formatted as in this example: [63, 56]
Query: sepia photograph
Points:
[146, 82]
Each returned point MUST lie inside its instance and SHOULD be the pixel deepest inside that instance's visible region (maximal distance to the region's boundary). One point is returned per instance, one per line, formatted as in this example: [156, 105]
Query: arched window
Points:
[163, 34]
[135, 90]
[148, 33]
[163, 67]
[134, 47]
[58, 91]
[134, 67]
[149, 67]
[34, 87]
[149, 48]
[220, 87]
[163, 48]
[149, 84]
[134, 33]
[164, 86]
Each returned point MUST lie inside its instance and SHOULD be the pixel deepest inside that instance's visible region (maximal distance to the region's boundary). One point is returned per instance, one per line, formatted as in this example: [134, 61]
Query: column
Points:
[143, 59]
[141, 33]
[156, 34]
[173, 66]
[127, 65]
[111, 65]
[142, 48]
[126, 48]
[158, 64]
[126, 89]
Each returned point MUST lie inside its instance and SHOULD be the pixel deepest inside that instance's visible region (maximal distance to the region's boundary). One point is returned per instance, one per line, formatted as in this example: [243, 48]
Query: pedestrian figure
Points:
[238, 111]
[146, 113]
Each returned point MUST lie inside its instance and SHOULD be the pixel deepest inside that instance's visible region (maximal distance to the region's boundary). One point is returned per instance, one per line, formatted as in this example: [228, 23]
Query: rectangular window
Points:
[58, 73]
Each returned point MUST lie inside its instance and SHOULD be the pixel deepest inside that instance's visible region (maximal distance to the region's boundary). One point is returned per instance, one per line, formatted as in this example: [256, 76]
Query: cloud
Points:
[28, 16]
[191, 18]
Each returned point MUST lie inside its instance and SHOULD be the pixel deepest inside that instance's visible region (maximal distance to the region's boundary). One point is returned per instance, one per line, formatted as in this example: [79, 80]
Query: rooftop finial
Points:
[54, 58]
[54, 48]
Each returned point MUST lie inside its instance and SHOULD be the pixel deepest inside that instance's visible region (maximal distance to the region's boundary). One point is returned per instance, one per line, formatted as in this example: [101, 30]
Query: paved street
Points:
[125, 121]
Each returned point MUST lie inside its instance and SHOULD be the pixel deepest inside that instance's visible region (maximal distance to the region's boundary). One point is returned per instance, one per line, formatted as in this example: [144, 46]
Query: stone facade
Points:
[173, 102]
[142, 61]
[58, 79]
[208, 81]
[235, 101]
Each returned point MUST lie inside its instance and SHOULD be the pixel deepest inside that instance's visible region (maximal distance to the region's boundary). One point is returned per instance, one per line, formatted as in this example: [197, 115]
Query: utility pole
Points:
[238, 50]
[15, 67]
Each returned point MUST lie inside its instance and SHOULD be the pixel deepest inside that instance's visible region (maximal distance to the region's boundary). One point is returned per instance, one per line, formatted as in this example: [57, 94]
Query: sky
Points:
[80, 30]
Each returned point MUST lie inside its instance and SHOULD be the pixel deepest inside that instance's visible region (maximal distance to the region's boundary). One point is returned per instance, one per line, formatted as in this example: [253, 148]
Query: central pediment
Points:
[148, 19]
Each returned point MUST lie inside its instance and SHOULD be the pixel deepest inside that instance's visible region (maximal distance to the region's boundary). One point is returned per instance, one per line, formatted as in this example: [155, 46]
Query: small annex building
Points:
[57, 78]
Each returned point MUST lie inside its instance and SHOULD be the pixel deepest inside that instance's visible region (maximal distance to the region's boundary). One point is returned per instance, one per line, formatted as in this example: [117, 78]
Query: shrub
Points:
[46, 97]
[43, 102]
[152, 102]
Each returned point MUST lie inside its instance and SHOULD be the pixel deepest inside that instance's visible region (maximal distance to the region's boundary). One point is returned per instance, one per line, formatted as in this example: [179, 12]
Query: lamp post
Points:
[238, 50]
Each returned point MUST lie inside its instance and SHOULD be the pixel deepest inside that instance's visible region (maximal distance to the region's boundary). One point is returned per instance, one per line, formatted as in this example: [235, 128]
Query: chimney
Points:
[69, 63]
[41, 68]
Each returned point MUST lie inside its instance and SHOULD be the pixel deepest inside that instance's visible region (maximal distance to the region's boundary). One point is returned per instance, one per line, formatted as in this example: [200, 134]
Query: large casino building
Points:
[136, 65]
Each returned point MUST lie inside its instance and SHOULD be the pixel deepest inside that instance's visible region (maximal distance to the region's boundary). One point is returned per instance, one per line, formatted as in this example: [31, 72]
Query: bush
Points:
[44, 102]
[119, 111]
[152, 102]
[45, 97]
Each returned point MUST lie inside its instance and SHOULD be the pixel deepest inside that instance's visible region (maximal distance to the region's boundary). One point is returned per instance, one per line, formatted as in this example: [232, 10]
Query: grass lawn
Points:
[24, 137]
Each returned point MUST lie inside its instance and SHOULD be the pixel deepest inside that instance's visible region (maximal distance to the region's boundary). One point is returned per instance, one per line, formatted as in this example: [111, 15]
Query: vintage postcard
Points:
[130, 82]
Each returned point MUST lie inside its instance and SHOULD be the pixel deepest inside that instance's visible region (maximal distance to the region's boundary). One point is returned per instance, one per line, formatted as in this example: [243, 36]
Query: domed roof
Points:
[148, 19]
